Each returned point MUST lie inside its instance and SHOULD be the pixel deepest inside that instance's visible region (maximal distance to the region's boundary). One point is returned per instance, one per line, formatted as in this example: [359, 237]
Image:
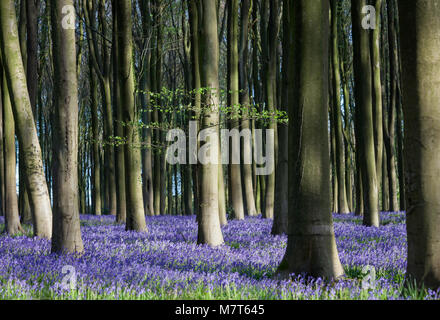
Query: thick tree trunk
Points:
[420, 48]
[27, 133]
[66, 223]
[311, 245]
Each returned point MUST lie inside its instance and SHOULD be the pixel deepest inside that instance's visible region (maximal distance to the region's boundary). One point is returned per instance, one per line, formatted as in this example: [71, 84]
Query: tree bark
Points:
[364, 114]
[235, 183]
[420, 48]
[12, 219]
[24, 121]
[281, 207]
[311, 245]
[66, 221]
[209, 231]
[337, 114]
[133, 177]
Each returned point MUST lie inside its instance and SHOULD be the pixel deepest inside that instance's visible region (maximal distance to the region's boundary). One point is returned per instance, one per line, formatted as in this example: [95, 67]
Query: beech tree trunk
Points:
[132, 158]
[420, 48]
[12, 219]
[26, 131]
[66, 223]
[311, 245]
[209, 231]
[364, 114]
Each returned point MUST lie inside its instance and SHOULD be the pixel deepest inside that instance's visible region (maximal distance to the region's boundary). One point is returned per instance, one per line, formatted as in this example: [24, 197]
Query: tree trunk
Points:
[96, 161]
[392, 110]
[281, 208]
[271, 101]
[377, 93]
[235, 183]
[337, 114]
[420, 48]
[364, 114]
[209, 231]
[66, 221]
[311, 245]
[121, 214]
[132, 152]
[27, 133]
[246, 8]
[12, 219]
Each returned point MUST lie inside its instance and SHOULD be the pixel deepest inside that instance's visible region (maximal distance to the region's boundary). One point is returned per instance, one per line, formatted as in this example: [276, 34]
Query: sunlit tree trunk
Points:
[12, 219]
[209, 231]
[24, 121]
[66, 224]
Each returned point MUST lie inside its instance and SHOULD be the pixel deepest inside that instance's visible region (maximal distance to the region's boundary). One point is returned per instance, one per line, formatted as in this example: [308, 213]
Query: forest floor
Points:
[166, 263]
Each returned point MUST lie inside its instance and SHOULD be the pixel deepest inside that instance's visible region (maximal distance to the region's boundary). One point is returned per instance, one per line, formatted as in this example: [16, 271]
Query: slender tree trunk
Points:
[364, 114]
[147, 165]
[96, 161]
[121, 214]
[377, 93]
[209, 231]
[281, 208]
[133, 176]
[392, 110]
[235, 183]
[271, 101]
[2, 152]
[337, 114]
[66, 223]
[195, 61]
[12, 219]
[27, 133]
[246, 8]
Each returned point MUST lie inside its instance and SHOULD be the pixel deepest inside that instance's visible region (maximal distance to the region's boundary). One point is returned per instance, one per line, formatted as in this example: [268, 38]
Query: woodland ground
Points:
[166, 263]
